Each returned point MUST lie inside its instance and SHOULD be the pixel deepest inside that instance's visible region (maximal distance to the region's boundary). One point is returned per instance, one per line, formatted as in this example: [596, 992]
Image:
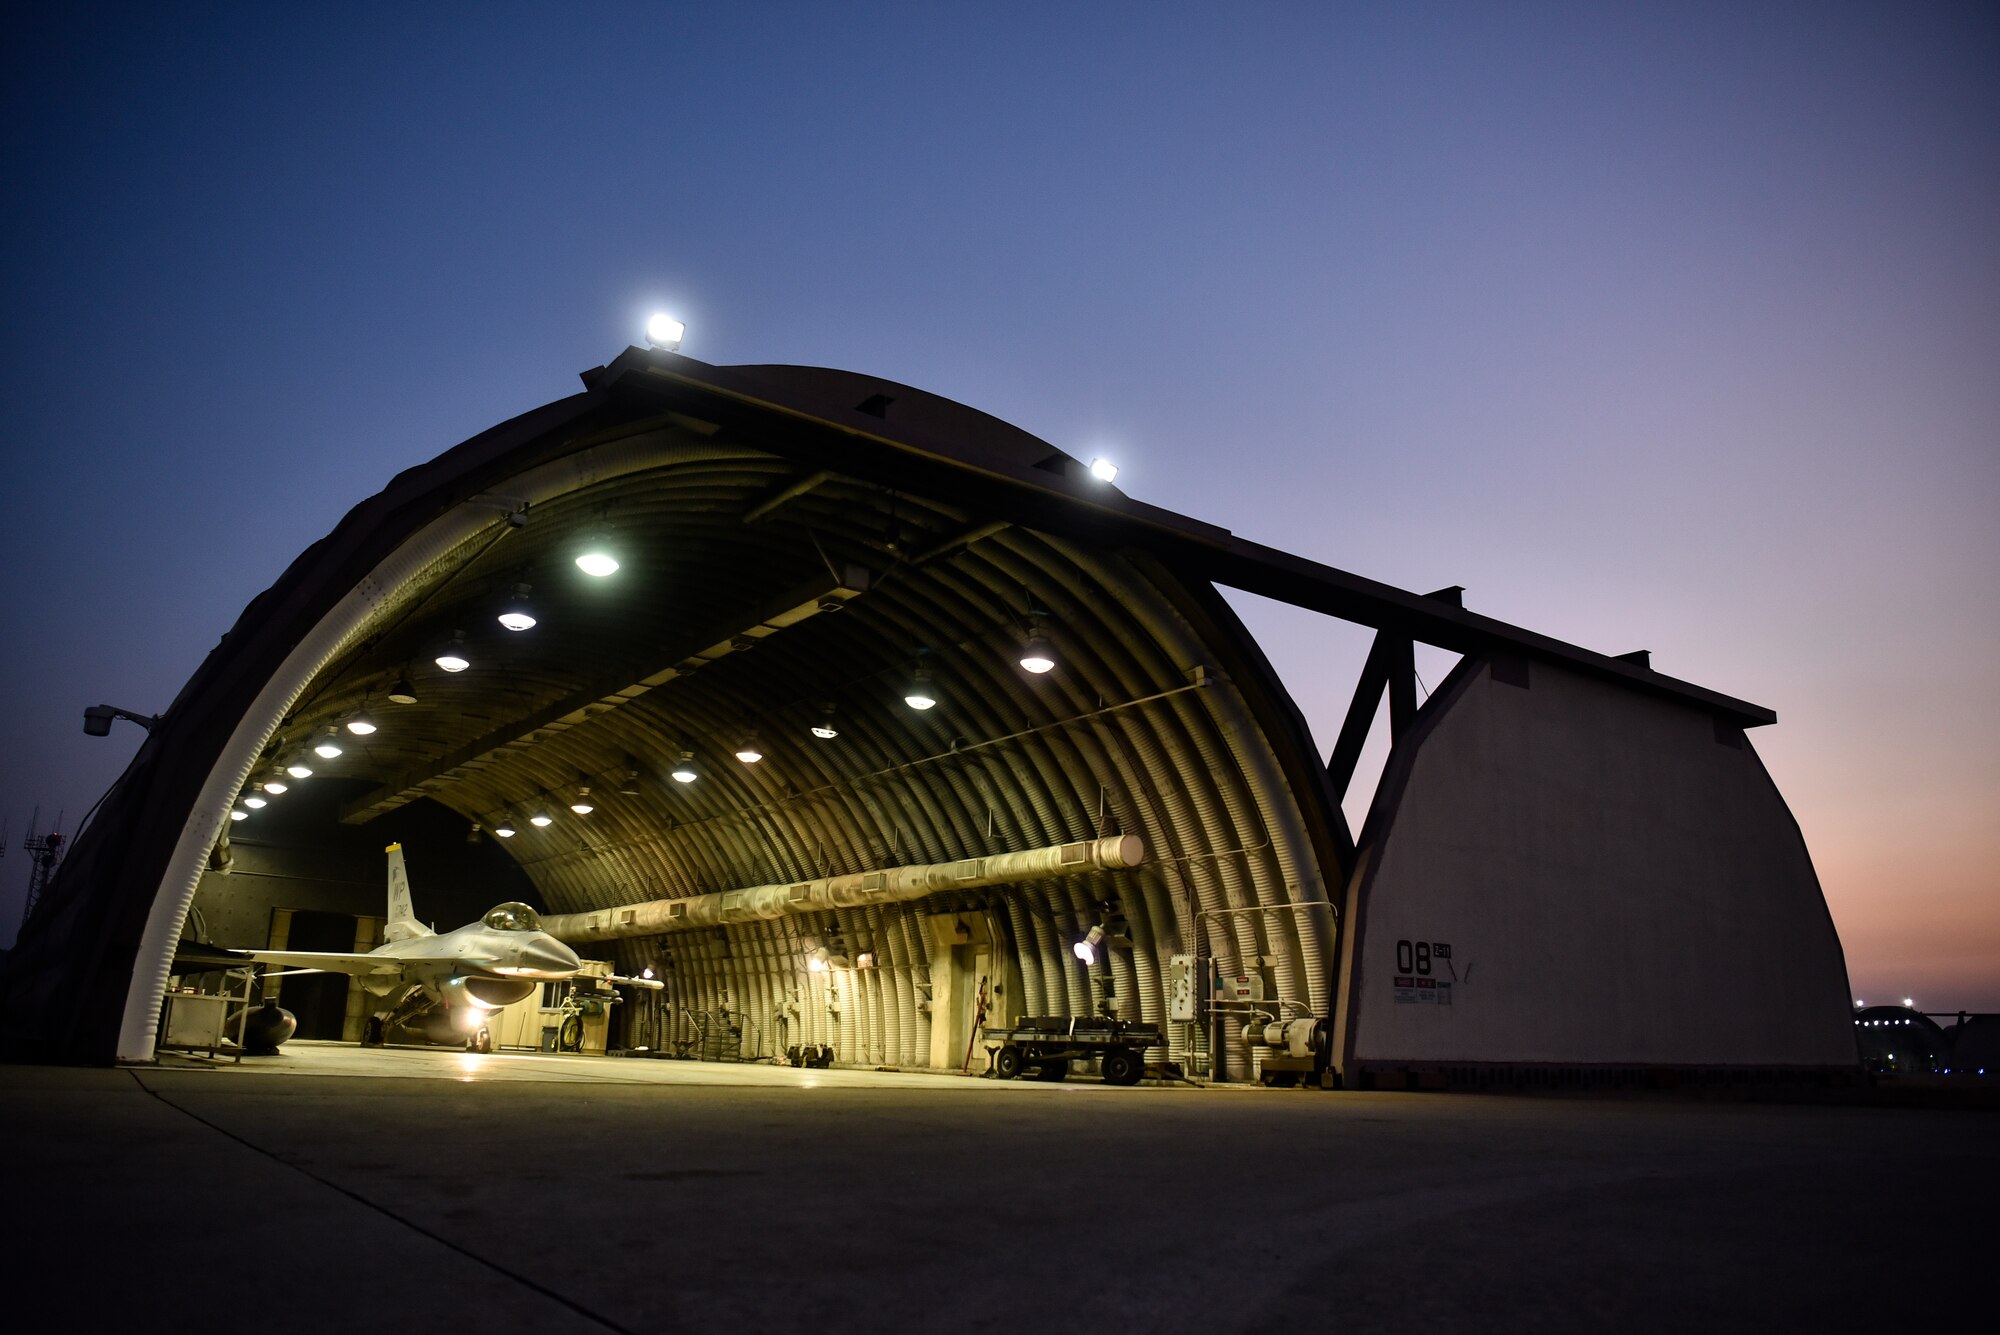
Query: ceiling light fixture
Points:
[516, 616]
[254, 802]
[453, 658]
[1037, 654]
[747, 750]
[684, 770]
[630, 788]
[922, 693]
[1086, 949]
[238, 813]
[329, 745]
[541, 819]
[583, 806]
[824, 729]
[403, 693]
[276, 786]
[595, 556]
[504, 828]
[361, 725]
[298, 770]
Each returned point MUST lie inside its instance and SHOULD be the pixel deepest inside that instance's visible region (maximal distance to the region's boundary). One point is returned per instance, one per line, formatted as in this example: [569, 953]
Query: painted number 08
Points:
[1413, 957]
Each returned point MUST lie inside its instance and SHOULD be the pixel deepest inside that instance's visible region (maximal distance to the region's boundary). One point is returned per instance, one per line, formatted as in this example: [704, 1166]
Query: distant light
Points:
[816, 964]
[1908, 1002]
[748, 751]
[646, 972]
[684, 770]
[254, 803]
[865, 960]
[1036, 655]
[504, 829]
[361, 725]
[238, 813]
[298, 771]
[402, 692]
[921, 693]
[515, 615]
[453, 658]
[665, 332]
[1104, 470]
[276, 786]
[1859, 1003]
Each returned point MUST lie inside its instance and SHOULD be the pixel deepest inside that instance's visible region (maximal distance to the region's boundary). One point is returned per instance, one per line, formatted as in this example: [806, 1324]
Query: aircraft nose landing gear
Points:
[481, 1041]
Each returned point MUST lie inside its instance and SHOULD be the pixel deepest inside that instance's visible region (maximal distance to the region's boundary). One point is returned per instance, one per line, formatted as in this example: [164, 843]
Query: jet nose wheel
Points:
[481, 1042]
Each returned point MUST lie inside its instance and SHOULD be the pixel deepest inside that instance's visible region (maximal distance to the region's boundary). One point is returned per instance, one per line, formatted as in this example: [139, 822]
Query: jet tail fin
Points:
[402, 924]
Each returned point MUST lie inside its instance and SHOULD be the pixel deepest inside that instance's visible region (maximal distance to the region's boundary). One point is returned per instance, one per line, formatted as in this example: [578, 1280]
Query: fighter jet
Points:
[444, 986]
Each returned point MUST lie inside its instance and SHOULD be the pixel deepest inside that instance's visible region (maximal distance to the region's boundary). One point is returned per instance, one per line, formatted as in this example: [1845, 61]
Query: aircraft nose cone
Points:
[549, 955]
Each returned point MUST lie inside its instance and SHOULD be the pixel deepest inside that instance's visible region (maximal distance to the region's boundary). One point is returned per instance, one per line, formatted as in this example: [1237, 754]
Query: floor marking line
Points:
[388, 1213]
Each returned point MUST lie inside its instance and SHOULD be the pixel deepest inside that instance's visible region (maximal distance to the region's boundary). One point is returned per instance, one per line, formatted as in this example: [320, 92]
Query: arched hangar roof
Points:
[792, 539]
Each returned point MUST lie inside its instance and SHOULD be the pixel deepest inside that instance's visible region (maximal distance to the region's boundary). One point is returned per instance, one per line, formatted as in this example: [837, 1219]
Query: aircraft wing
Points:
[327, 962]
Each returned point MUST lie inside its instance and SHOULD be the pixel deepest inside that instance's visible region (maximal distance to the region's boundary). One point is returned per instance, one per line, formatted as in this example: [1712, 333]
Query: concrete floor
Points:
[330, 1189]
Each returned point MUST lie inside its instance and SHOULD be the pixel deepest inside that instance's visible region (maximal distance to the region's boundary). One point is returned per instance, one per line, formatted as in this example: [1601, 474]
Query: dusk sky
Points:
[1669, 327]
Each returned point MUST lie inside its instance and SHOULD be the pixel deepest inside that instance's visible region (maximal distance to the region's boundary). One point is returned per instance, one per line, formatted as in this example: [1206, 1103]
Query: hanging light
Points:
[254, 802]
[275, 786]
[824, 729]
[921, 693]
[1037, 654]
[329, 745]
[361, 725]
[684, 770]
[747, 750]
[238, 813]
[453, 658]
[503, 828]
[403, 693]
[594, 555]
[1086, 949]
[540, 818]
[630, 788]
[583, 806]
[298, 770]
[515, 615]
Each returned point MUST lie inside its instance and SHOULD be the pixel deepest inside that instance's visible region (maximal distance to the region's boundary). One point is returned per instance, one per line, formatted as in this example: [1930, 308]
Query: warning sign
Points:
[1422, 991]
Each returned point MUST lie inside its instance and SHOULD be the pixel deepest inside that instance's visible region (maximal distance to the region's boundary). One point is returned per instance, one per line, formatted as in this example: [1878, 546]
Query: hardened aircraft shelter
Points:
[886, 707]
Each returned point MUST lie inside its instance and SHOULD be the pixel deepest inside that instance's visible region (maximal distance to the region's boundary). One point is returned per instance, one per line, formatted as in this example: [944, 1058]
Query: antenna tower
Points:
[44, 852]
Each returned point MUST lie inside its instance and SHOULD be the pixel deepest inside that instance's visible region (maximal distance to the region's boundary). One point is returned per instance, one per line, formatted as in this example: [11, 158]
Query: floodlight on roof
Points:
[664, 332]
[1104, 470]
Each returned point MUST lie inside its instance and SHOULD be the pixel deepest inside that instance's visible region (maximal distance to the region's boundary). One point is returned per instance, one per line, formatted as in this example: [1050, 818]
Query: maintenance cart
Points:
[1047, 1044]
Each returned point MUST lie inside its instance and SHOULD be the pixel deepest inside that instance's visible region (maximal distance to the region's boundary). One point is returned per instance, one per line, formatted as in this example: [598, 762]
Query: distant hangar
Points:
[869, 721]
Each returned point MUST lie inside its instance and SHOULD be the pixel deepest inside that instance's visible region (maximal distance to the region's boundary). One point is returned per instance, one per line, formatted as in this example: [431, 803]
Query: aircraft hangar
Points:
[863, 721]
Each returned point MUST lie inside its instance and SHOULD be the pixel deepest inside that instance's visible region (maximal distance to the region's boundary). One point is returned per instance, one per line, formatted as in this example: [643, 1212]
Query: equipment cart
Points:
[1047, 1044]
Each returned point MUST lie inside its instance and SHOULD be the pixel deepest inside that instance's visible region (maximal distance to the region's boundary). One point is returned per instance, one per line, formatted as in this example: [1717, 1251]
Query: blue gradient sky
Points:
[1667, 327]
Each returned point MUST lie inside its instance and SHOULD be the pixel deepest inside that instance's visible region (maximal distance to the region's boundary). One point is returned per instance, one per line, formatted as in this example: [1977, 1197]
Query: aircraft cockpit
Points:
[513, 917]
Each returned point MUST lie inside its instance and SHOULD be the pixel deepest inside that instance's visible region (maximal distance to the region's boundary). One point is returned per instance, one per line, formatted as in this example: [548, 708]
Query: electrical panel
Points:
[1182, 980]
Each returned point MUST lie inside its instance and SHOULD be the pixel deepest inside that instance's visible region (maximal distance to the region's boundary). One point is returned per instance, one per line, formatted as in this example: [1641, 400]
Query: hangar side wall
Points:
[1616, 877]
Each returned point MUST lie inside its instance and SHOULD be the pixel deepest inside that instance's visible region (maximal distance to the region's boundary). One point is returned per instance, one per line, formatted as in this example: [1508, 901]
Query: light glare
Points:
[597, 563]
[302, 771]
[665, 332]
[1104, 470]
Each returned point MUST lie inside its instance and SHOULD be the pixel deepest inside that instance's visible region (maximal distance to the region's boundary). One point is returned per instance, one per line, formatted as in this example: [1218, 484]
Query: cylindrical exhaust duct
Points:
[854, 890]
